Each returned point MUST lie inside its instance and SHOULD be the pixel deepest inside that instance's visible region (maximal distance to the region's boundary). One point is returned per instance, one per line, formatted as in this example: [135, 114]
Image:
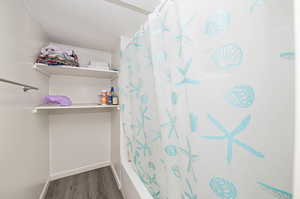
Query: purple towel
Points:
[60, 100]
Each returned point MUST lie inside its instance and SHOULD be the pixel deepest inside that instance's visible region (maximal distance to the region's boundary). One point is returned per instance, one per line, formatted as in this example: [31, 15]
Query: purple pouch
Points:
[59, 100]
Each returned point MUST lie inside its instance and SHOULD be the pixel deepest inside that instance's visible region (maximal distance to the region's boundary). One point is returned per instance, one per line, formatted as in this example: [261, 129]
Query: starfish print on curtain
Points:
[230, 137]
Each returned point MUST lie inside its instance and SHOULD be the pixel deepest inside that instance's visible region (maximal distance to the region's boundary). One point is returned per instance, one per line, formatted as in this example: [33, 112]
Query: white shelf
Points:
[75, 71]
[75, 107]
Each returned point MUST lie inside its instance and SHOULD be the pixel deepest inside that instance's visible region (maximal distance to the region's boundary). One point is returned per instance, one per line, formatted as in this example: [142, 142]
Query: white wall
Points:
[96, 24]
[82, 138]
[297, 111]
[24, 136]
[116, 55]
[79, 139]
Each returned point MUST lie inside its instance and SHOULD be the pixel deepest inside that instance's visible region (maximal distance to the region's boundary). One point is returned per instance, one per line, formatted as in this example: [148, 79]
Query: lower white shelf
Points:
[75, 107]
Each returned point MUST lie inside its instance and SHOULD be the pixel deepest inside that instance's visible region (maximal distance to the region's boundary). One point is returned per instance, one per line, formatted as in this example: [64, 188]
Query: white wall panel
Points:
[78, 138]
[24, 137]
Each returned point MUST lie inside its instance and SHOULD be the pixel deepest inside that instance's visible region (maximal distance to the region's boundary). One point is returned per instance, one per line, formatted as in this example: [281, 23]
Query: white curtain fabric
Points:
[197, 83]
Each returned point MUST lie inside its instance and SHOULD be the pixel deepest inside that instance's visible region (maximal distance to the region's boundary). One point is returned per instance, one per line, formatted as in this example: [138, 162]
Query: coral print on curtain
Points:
[202, 88]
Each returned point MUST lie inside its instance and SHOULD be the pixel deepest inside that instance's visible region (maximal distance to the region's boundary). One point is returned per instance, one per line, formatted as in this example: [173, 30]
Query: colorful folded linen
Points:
[59, 100]
[53, 55]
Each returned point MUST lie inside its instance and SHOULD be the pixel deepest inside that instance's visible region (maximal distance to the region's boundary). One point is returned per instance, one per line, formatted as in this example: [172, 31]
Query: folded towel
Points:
[53, 55]
[59, 100]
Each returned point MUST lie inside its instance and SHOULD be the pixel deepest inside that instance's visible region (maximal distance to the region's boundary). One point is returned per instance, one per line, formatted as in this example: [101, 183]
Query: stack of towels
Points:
[54, 55]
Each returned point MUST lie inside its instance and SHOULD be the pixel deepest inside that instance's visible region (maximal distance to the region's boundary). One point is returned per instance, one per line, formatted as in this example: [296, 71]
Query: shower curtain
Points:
[206, 93]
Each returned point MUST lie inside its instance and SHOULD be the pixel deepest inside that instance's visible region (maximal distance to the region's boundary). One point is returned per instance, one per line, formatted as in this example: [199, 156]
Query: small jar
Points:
[103, 97]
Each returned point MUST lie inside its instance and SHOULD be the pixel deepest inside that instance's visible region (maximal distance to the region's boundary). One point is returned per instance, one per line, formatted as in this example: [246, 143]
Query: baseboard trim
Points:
[45, 189]
[79, 170]
[115, 174]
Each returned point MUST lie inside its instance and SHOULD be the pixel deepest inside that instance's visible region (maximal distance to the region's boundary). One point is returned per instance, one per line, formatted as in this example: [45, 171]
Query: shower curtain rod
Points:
[163, 5]
[25, 86]
[129, 6]
[135, 8]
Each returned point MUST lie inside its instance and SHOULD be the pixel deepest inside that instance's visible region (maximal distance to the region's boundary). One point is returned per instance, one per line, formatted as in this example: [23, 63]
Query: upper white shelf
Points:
[74, 107]
[76, 71]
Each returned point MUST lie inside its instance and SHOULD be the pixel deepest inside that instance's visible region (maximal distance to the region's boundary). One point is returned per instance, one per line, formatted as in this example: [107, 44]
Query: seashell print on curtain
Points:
[206, 92]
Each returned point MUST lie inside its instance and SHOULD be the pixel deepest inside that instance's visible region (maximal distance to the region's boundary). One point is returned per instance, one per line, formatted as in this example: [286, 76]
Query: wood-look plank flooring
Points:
[96, 184]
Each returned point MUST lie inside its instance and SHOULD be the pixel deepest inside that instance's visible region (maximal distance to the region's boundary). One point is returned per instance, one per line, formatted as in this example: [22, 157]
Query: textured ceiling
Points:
[95, 24]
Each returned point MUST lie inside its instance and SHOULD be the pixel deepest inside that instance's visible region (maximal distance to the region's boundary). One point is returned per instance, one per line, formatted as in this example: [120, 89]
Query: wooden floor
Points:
[96, 184]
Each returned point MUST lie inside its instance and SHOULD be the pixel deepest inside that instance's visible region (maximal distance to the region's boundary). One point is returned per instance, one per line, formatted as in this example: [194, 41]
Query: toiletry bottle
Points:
[110, 97]
[115, 99]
